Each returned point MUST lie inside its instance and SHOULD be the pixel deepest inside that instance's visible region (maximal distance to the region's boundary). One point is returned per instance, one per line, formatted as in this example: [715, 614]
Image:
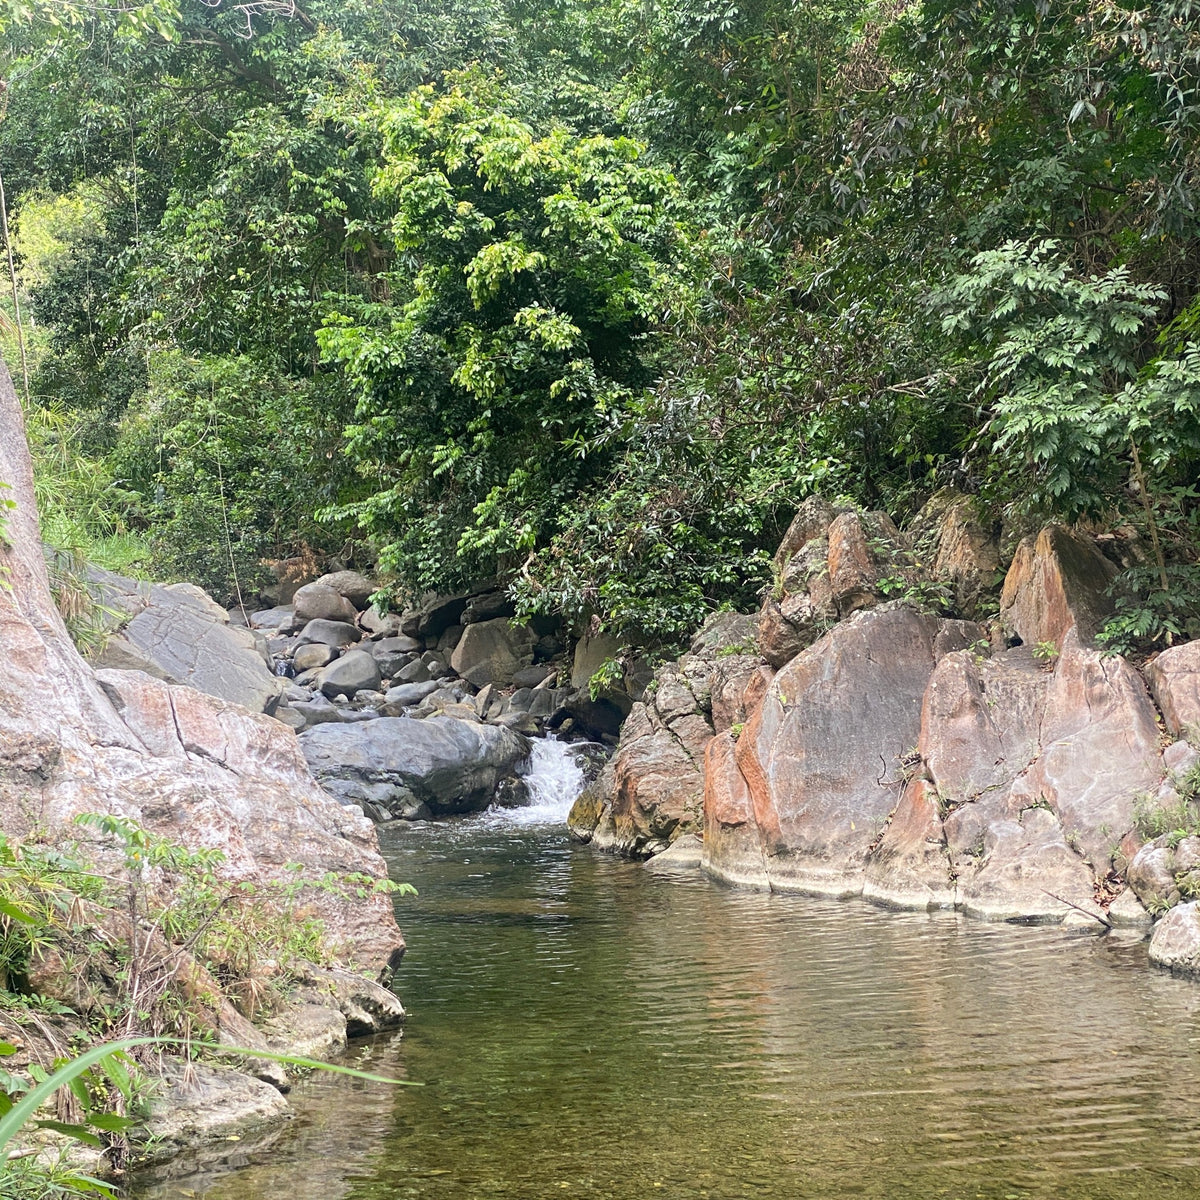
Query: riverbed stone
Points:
[683, 855]
[351, 585]
[318, 601]
[453, 766]
[408, 694]
[317, 654]
[433, 615]
[355, 671]
[329, 633]
[493, 651]
[1175, 943]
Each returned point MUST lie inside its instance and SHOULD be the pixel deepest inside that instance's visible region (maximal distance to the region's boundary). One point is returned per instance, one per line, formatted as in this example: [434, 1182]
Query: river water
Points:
[585, 1028]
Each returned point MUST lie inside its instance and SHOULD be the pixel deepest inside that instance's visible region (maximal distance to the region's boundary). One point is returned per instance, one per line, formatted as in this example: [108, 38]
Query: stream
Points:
[584, 1027]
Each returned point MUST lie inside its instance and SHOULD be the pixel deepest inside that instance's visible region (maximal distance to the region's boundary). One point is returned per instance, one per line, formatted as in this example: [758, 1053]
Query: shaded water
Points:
[585, 1028]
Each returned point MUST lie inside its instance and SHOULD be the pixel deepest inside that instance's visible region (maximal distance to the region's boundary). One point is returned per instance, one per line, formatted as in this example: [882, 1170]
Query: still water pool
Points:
[585, 1028]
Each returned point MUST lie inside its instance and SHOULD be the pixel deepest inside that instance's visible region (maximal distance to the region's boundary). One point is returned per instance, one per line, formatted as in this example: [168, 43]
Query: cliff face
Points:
[1011, 771]
[196, 769]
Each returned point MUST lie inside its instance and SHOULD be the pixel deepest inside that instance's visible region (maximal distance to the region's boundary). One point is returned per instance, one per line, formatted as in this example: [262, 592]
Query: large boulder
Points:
[178, 634]
[1175, 943]
[392, 765]
[355, 671]
[350, 585]
[192, 767]
[961, 546]
[318, 601]
[1057, 581]
[329, 633]
[819, 756]
[435, 613]
[493, 651]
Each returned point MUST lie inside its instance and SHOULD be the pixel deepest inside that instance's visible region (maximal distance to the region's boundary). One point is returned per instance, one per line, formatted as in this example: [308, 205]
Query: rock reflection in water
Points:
[586, 1028]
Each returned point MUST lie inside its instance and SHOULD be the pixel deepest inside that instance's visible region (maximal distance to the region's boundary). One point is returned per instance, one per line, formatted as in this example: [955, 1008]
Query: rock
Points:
[1151, 874]
[683, 854]
[379, 625]
[812, 519]
[414, 671]
[408, 694]
[518, 722]
[962, 545]
[725, 633]
[1057, 581]
[817, 757]
[488, 606]
[290, 575]
[1126, 912]
[600, 719]
[365, 1006]
[181, 636]
[281, 618]
[355, 671]
[1175, 943]
[350, 585]
[433, 616]
[1174, 678]
[289, 717]
[306, 1030]
[329, 633]
[491, 651]
[452, 766]
[316, 655]
[393, 654]
[201, 1103]
[591, 653]
[318, 601]
[532, 677]
[1180, 757]
[449, 639]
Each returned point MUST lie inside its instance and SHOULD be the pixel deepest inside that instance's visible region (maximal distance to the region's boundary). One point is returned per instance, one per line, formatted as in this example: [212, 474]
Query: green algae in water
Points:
[585, 1028]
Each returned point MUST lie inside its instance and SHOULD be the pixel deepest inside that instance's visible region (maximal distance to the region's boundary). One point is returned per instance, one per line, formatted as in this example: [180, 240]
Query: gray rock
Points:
[449, 639]
[532, 677]
[315, 655]
[591, 653]
[491, 651]
[329, 633]
[452, 766]
[290, 717]
[487, 606]
[413, 672]
[179, 635]
[355, 671]
[1126, 912]
[1151, 875]
[318, 601]
[350, 585]
[434, 615]
[407, 694]
[379, 625]
[394, 653]
[281, 619]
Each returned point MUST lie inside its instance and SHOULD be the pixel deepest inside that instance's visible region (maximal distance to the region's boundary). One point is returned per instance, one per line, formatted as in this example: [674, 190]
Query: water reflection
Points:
[587, 1029]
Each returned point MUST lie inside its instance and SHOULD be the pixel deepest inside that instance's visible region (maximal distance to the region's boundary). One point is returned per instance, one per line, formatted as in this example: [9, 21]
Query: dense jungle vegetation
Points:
[590, 293]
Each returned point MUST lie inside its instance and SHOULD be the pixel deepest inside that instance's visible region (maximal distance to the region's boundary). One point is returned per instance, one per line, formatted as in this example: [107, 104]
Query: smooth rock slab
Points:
[1175, 943]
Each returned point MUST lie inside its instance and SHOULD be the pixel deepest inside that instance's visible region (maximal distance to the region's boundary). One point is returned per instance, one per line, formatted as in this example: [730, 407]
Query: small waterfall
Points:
[554, 779]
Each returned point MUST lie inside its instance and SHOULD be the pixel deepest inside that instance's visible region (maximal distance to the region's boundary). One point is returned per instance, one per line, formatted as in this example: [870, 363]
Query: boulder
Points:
[492, 651]
[290, 575]
[318, 601]
[413, 671]
[350, 585]
[179, 635]
[1174, 678]
[682, 855]
[591, 653]
[392, 763]
[407, 694]
[488, 606]
[379, 625]
[1175, 943]
[1057, 581]
[329, 633]
[435, 613]
[280, 619]
[818, 757]
[355, 671]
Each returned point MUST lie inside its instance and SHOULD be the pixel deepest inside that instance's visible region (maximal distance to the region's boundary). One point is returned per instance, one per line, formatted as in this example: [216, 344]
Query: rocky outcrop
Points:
[1057, 581]
[493, 651]
[654, 787]
[911, 758]
[404, 767]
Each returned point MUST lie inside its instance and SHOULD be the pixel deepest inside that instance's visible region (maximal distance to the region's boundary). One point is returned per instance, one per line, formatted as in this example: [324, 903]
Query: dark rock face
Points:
[393, 764]
[493, 652]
